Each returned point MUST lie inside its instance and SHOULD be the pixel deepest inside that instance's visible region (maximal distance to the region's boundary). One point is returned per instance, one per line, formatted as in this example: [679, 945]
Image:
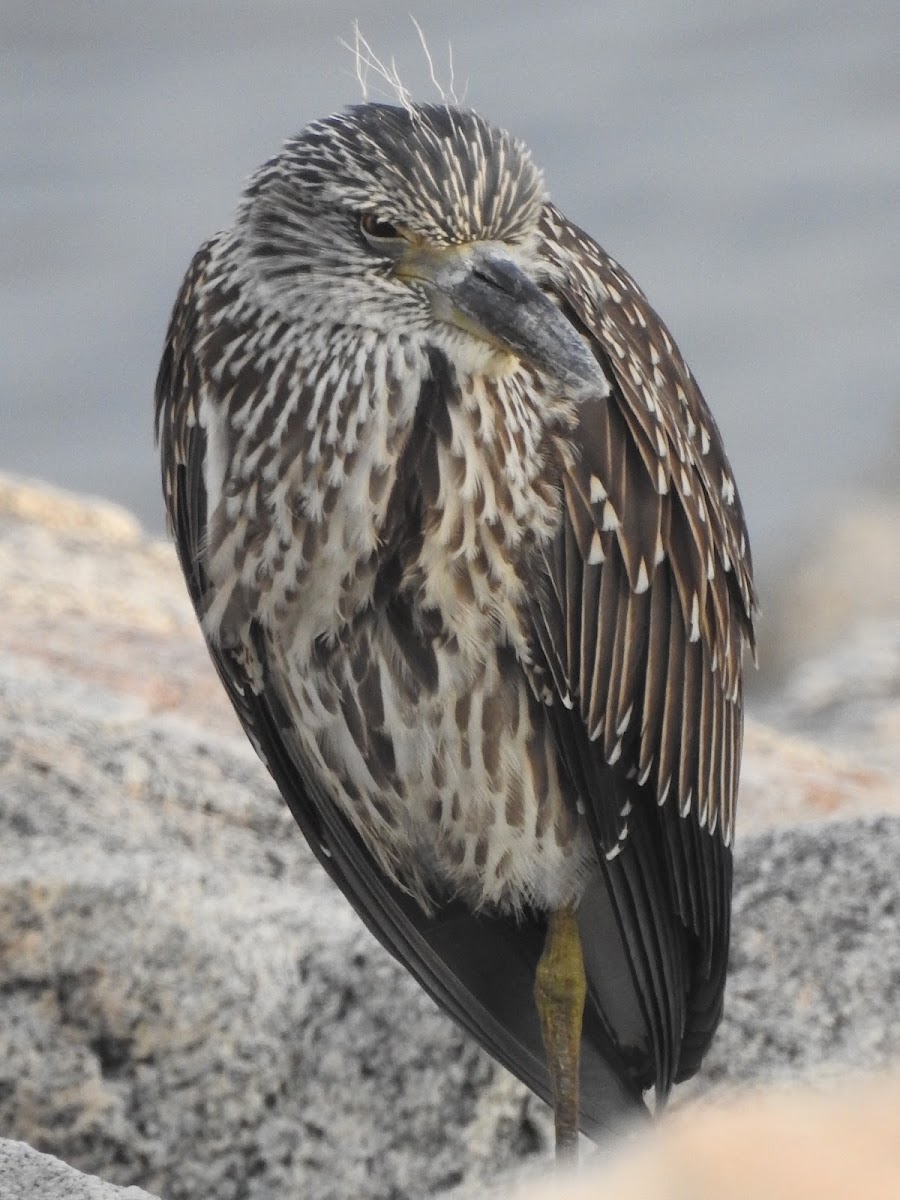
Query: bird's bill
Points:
[480, 288]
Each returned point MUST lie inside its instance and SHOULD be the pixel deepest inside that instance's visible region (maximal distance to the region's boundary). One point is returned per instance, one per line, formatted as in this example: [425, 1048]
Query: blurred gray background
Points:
[742, 161]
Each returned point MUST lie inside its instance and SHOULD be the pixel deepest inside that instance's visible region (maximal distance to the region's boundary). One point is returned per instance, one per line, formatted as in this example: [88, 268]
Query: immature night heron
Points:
[470, 561]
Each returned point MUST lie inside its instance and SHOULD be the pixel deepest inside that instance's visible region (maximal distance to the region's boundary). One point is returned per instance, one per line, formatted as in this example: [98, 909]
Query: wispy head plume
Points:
[390, 85]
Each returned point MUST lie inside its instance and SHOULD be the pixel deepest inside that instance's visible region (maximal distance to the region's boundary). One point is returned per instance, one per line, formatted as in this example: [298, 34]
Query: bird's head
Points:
[421, 221]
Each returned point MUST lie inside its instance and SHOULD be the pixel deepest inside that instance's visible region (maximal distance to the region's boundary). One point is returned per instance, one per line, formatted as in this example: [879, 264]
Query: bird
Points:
[469, 558]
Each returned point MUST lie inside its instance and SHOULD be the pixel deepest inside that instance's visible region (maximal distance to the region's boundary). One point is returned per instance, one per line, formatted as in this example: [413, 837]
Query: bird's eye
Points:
[374, 229]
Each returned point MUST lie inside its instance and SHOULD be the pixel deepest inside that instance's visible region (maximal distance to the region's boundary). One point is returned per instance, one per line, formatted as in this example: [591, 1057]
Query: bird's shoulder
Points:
[668, 420]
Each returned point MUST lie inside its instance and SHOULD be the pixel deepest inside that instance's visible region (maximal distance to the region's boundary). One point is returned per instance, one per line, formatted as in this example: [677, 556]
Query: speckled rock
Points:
[186, 1002]
[848, 699]
[27, 1175]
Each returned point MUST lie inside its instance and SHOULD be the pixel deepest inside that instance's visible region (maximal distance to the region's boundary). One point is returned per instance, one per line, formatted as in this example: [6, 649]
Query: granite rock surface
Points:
[187, 1004]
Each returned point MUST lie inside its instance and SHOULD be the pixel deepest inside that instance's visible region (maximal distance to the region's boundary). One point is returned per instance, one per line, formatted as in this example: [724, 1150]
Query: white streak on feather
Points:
[596, 554]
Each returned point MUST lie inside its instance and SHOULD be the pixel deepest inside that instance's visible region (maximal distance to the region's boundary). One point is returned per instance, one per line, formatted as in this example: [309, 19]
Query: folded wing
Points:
[645, 612]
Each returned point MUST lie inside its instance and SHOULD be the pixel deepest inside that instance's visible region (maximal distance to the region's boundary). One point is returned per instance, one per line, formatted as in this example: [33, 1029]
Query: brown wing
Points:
[643, 623]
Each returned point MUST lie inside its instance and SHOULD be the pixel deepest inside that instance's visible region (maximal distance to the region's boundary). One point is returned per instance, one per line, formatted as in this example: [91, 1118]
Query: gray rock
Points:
[849, 698]
[27, 1175]
[189, 1004]
[814, 982]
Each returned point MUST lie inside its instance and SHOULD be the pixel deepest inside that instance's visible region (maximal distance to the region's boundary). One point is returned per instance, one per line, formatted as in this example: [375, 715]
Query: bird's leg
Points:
[559, 991]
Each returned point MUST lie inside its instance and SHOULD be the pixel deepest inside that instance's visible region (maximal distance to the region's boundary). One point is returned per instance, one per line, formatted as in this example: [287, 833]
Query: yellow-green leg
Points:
[559, 990]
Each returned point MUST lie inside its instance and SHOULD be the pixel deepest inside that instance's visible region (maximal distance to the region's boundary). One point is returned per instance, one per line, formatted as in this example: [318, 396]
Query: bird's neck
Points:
[396, 478]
